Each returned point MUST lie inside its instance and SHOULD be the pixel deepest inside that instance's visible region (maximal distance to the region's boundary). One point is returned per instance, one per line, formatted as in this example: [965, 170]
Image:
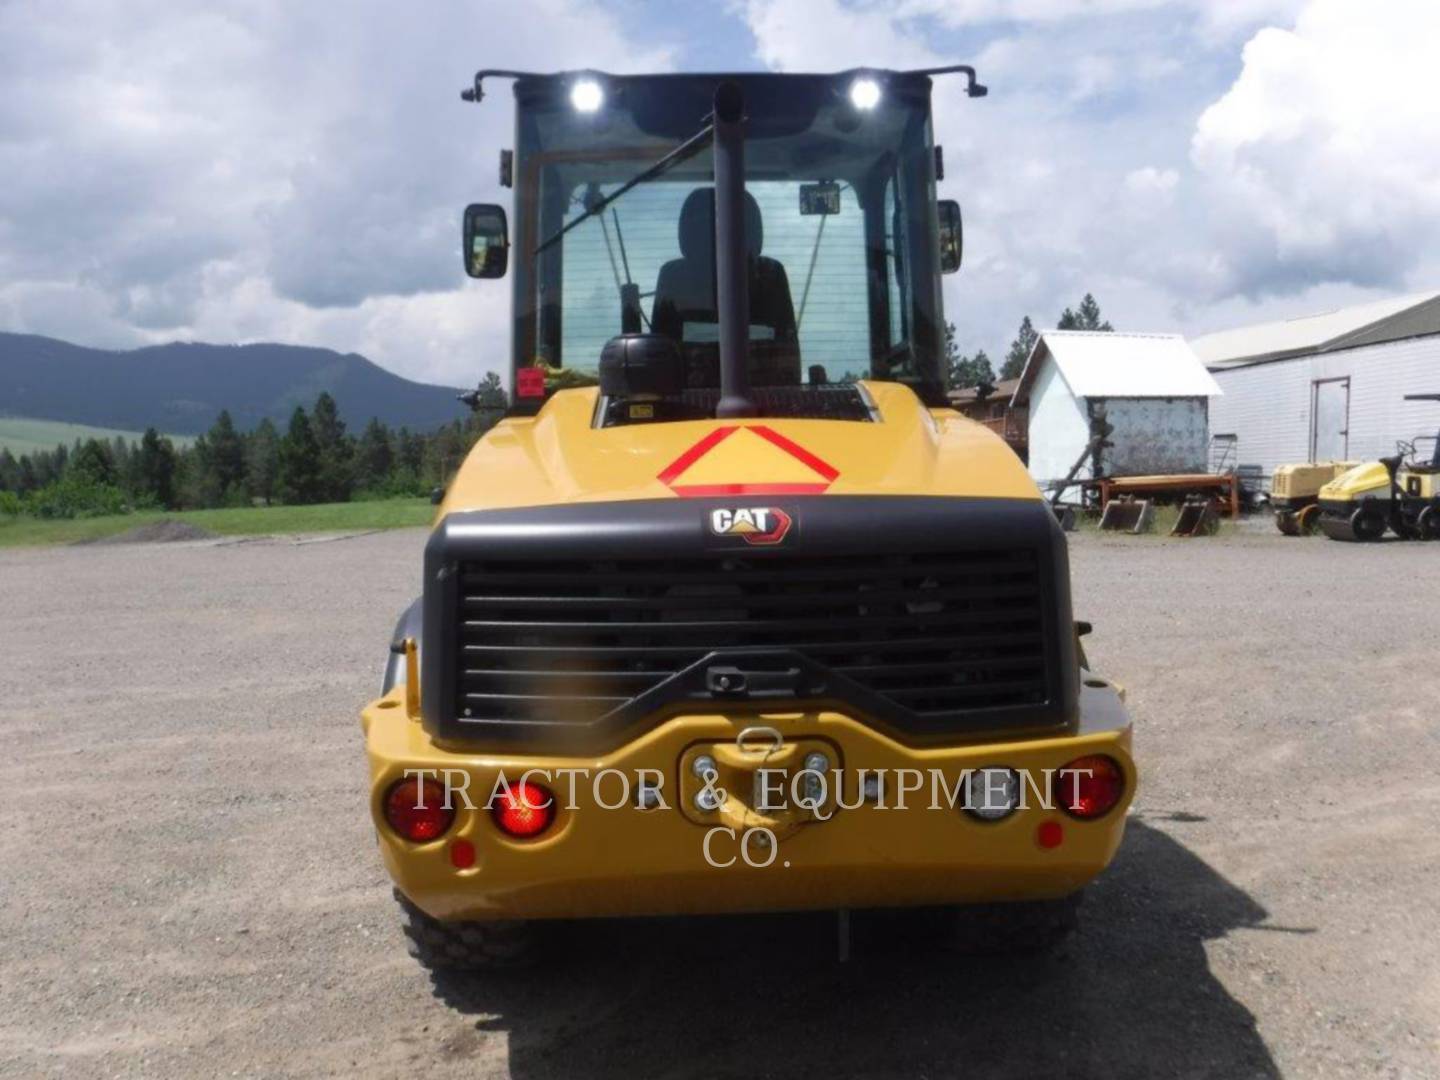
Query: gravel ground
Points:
[189, 888]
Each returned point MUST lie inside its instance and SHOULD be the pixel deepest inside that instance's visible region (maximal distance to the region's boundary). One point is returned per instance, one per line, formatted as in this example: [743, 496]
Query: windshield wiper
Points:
[686, 150]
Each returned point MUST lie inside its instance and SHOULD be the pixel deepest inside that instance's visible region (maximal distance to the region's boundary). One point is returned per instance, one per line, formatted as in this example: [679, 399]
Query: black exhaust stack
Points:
[732, 272]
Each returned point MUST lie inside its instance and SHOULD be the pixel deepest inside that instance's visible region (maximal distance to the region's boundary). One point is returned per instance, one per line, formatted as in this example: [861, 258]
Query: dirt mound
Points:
[165, 531]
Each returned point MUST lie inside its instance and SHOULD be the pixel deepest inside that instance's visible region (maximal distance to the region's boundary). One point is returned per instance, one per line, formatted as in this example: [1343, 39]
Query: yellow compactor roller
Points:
[1295, 494]
[1397, 493]
[1356, 505]
[1417, 484]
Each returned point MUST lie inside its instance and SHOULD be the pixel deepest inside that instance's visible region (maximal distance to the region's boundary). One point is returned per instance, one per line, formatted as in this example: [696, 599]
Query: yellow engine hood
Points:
[1365, 479]
[557, 456]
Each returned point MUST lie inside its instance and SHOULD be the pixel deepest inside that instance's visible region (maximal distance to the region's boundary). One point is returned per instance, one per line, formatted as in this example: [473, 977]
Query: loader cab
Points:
[844, 242]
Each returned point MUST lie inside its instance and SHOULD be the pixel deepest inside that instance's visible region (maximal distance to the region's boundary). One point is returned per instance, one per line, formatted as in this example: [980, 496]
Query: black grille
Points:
[840, 401]
[565, 642]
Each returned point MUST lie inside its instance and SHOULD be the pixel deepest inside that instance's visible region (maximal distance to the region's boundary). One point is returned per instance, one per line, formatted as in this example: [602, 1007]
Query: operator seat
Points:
[685, 293]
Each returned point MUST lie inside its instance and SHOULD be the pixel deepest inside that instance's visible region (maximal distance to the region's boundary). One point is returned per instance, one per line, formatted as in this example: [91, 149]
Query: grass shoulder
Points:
[240, 521]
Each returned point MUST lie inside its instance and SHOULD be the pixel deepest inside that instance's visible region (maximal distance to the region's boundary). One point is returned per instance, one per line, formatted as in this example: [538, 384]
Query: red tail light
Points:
[416, 809]
[525, 810]
[1090, 786]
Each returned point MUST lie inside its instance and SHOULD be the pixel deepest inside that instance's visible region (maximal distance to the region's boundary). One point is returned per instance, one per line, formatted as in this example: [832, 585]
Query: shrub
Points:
[76, 497]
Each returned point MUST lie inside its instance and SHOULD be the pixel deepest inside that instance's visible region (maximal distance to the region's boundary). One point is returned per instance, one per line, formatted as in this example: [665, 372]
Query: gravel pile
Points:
[164, 531]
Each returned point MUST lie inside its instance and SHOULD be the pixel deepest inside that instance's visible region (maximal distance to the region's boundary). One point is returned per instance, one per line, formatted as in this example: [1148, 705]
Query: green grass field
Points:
[24, 436]
[255, 521]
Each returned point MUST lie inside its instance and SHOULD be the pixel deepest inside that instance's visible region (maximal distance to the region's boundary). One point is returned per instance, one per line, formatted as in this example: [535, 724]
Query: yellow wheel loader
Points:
[732, 612]
[1295, 494]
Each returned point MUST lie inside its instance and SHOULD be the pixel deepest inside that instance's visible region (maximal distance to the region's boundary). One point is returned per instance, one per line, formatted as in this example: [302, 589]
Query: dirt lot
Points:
[188, 885]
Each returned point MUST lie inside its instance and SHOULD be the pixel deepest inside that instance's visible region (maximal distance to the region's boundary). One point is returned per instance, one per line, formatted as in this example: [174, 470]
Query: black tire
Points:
[1367, 525]
[1429, 523]
[465, 946]
[1029, 926]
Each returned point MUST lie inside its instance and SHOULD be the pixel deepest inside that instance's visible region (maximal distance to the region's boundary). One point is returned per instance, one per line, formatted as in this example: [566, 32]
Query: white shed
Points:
[1150, 388]
[1329, 386]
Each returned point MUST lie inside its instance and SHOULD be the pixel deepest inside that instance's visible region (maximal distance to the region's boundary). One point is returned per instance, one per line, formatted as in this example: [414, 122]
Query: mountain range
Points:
[180, 388]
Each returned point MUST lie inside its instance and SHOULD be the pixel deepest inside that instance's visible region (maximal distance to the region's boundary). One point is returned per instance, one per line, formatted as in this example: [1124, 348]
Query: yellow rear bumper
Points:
[595, 861]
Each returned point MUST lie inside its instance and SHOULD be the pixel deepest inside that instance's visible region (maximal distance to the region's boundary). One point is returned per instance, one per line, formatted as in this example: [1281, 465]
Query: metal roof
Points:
[1102, 364]
[1004, 388]
[1324, 331]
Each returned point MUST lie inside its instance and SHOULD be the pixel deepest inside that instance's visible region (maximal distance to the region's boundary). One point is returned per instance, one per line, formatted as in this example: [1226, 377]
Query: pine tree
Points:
[154, 469]
[444, 450]
[491, 403]
[1086, 318]
[120, 455]
[965, 372]
[299, 460]
[409, 463]
[952, 351]
[410, 448]
[199, 482]
[374, 457]
[262, 461]
[1019, 351]
[971, 371]
[492, 395]
[91, 464]
[337, 451]
[27, 481]
[9, 470]
[226, 459]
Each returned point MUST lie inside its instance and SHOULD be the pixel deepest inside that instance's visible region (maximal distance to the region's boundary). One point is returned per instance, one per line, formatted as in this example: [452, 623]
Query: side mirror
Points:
[486, 244]
[952, 236]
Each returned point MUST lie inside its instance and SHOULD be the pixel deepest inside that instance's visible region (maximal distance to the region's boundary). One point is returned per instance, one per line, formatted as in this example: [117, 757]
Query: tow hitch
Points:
[760, 781]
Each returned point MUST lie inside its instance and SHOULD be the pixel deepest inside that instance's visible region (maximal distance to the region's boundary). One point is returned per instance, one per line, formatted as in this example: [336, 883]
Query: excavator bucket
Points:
[1198, 518]
[1128, 515]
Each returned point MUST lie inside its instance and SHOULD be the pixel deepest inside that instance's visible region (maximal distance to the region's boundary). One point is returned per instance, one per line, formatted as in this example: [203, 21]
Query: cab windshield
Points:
[840, 228]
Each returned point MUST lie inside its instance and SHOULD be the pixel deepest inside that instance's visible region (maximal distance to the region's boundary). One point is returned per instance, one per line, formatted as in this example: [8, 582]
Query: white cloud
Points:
[267, 170]
[827, 35]
[1120, 153]
[971, 12]
[1216, 16]
[1323, 159]
[1037, 164]
[1221, 18]
[1150, 181]
[272, 170]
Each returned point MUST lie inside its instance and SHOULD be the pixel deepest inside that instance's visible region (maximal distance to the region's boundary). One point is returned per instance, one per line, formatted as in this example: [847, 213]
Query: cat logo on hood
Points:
[758, 525]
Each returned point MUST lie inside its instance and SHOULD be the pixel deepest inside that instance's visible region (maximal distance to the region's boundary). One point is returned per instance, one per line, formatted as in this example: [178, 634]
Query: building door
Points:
[1330, 419]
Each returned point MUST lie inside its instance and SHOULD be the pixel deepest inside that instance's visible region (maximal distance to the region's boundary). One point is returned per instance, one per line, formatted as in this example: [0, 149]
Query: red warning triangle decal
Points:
[804, 473]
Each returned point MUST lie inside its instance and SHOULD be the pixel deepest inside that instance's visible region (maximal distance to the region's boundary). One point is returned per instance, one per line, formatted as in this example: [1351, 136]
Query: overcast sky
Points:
[293, 171]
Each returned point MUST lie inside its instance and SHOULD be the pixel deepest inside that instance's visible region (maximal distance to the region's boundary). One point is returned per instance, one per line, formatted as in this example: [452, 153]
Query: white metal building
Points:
[1151, 388]
[1329, 386]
